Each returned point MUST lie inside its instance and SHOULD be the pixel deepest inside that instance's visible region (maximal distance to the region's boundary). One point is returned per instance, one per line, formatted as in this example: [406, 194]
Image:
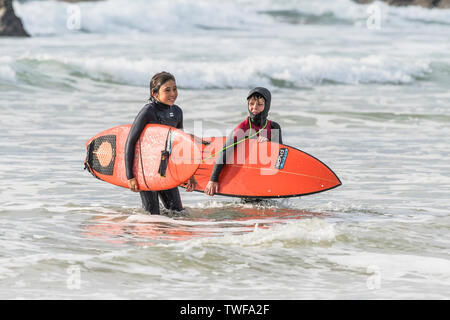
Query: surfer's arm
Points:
[139, 123]
[212, 188]
[276, 133]
[262, 139]
[180, 116]
[213, 185]
[221, 159]
[133, 185]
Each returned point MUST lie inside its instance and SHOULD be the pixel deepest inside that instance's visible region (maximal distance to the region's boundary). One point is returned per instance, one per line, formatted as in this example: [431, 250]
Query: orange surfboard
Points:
[152, 169]
[265, 170]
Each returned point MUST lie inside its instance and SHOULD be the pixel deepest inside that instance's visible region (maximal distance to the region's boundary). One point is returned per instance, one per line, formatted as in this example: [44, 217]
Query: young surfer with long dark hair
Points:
[160, 109]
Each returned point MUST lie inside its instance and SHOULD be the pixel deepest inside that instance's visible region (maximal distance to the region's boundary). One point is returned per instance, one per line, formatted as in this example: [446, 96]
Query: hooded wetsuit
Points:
[159, 113]
[272, 131]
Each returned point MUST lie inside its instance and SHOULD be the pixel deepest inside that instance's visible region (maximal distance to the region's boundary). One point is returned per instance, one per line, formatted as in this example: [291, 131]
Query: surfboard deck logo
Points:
[282, 156]
[101, 154]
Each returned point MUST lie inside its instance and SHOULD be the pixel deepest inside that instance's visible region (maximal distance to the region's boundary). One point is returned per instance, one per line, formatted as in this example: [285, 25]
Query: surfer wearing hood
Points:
[258, 102]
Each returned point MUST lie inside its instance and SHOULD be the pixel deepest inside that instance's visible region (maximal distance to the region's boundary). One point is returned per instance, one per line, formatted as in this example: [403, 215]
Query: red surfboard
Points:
[164, 157]
[265, 170]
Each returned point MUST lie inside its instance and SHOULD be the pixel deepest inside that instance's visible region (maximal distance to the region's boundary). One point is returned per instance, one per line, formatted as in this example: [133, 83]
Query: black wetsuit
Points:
[160, 113]
[259, 120]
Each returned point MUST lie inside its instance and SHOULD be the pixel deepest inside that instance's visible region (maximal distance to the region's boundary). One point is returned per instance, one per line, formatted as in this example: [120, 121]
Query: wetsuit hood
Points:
[260, 118]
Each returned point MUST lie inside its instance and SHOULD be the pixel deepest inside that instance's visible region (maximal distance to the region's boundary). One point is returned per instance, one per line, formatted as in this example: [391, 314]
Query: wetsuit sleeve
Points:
[276, 133]
[143, 118]
[180, 122]
[221, 159]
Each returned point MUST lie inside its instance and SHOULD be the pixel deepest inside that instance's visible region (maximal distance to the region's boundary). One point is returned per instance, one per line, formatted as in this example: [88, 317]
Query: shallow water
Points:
[372, 104]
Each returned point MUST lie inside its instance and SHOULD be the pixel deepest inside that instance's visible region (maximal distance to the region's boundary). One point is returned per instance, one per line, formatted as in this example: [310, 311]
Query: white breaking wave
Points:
[308, 231]
[120, 16]
[262, 70]
[395, 267]
[7, 73]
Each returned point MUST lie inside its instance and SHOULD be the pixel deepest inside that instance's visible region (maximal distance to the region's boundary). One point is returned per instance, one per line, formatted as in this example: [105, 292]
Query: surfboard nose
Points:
[325, 176]
[336, 182]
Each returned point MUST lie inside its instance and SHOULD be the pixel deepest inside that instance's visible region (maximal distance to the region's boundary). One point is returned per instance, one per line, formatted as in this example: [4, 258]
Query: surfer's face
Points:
[255, 105]
[167, 93]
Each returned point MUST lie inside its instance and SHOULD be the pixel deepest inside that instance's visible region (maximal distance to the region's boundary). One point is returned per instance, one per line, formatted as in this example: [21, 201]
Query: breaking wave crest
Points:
[279, 71]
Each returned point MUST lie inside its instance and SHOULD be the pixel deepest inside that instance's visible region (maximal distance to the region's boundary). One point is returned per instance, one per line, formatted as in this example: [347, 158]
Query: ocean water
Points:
[364, 88]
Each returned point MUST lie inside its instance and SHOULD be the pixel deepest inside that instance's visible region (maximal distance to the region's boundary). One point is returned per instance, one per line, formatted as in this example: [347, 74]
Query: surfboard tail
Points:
[154, 171]
[101, 155]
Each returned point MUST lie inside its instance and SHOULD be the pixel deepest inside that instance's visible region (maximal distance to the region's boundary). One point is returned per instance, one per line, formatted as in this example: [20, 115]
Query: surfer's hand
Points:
[132, 183]
[191, 184]
[262, 139]
[212, 188]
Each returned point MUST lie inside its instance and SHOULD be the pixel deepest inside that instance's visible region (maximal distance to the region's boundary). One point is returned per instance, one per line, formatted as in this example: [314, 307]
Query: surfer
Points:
[160, 109]
[258, 102]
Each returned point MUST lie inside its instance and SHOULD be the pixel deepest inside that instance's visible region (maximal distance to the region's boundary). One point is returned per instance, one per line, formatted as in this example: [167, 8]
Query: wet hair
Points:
[256, 96]
[158, 80]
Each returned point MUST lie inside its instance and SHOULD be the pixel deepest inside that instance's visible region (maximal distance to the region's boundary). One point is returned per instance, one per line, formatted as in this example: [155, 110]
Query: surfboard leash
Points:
[165, 155]
[236, 143]
[142, 164]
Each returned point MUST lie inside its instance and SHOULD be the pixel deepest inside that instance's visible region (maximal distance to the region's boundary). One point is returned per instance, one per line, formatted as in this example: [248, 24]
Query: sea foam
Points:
[305, 231]
[246, 72]
[122, 16]
[7, 73]
[141, 16]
